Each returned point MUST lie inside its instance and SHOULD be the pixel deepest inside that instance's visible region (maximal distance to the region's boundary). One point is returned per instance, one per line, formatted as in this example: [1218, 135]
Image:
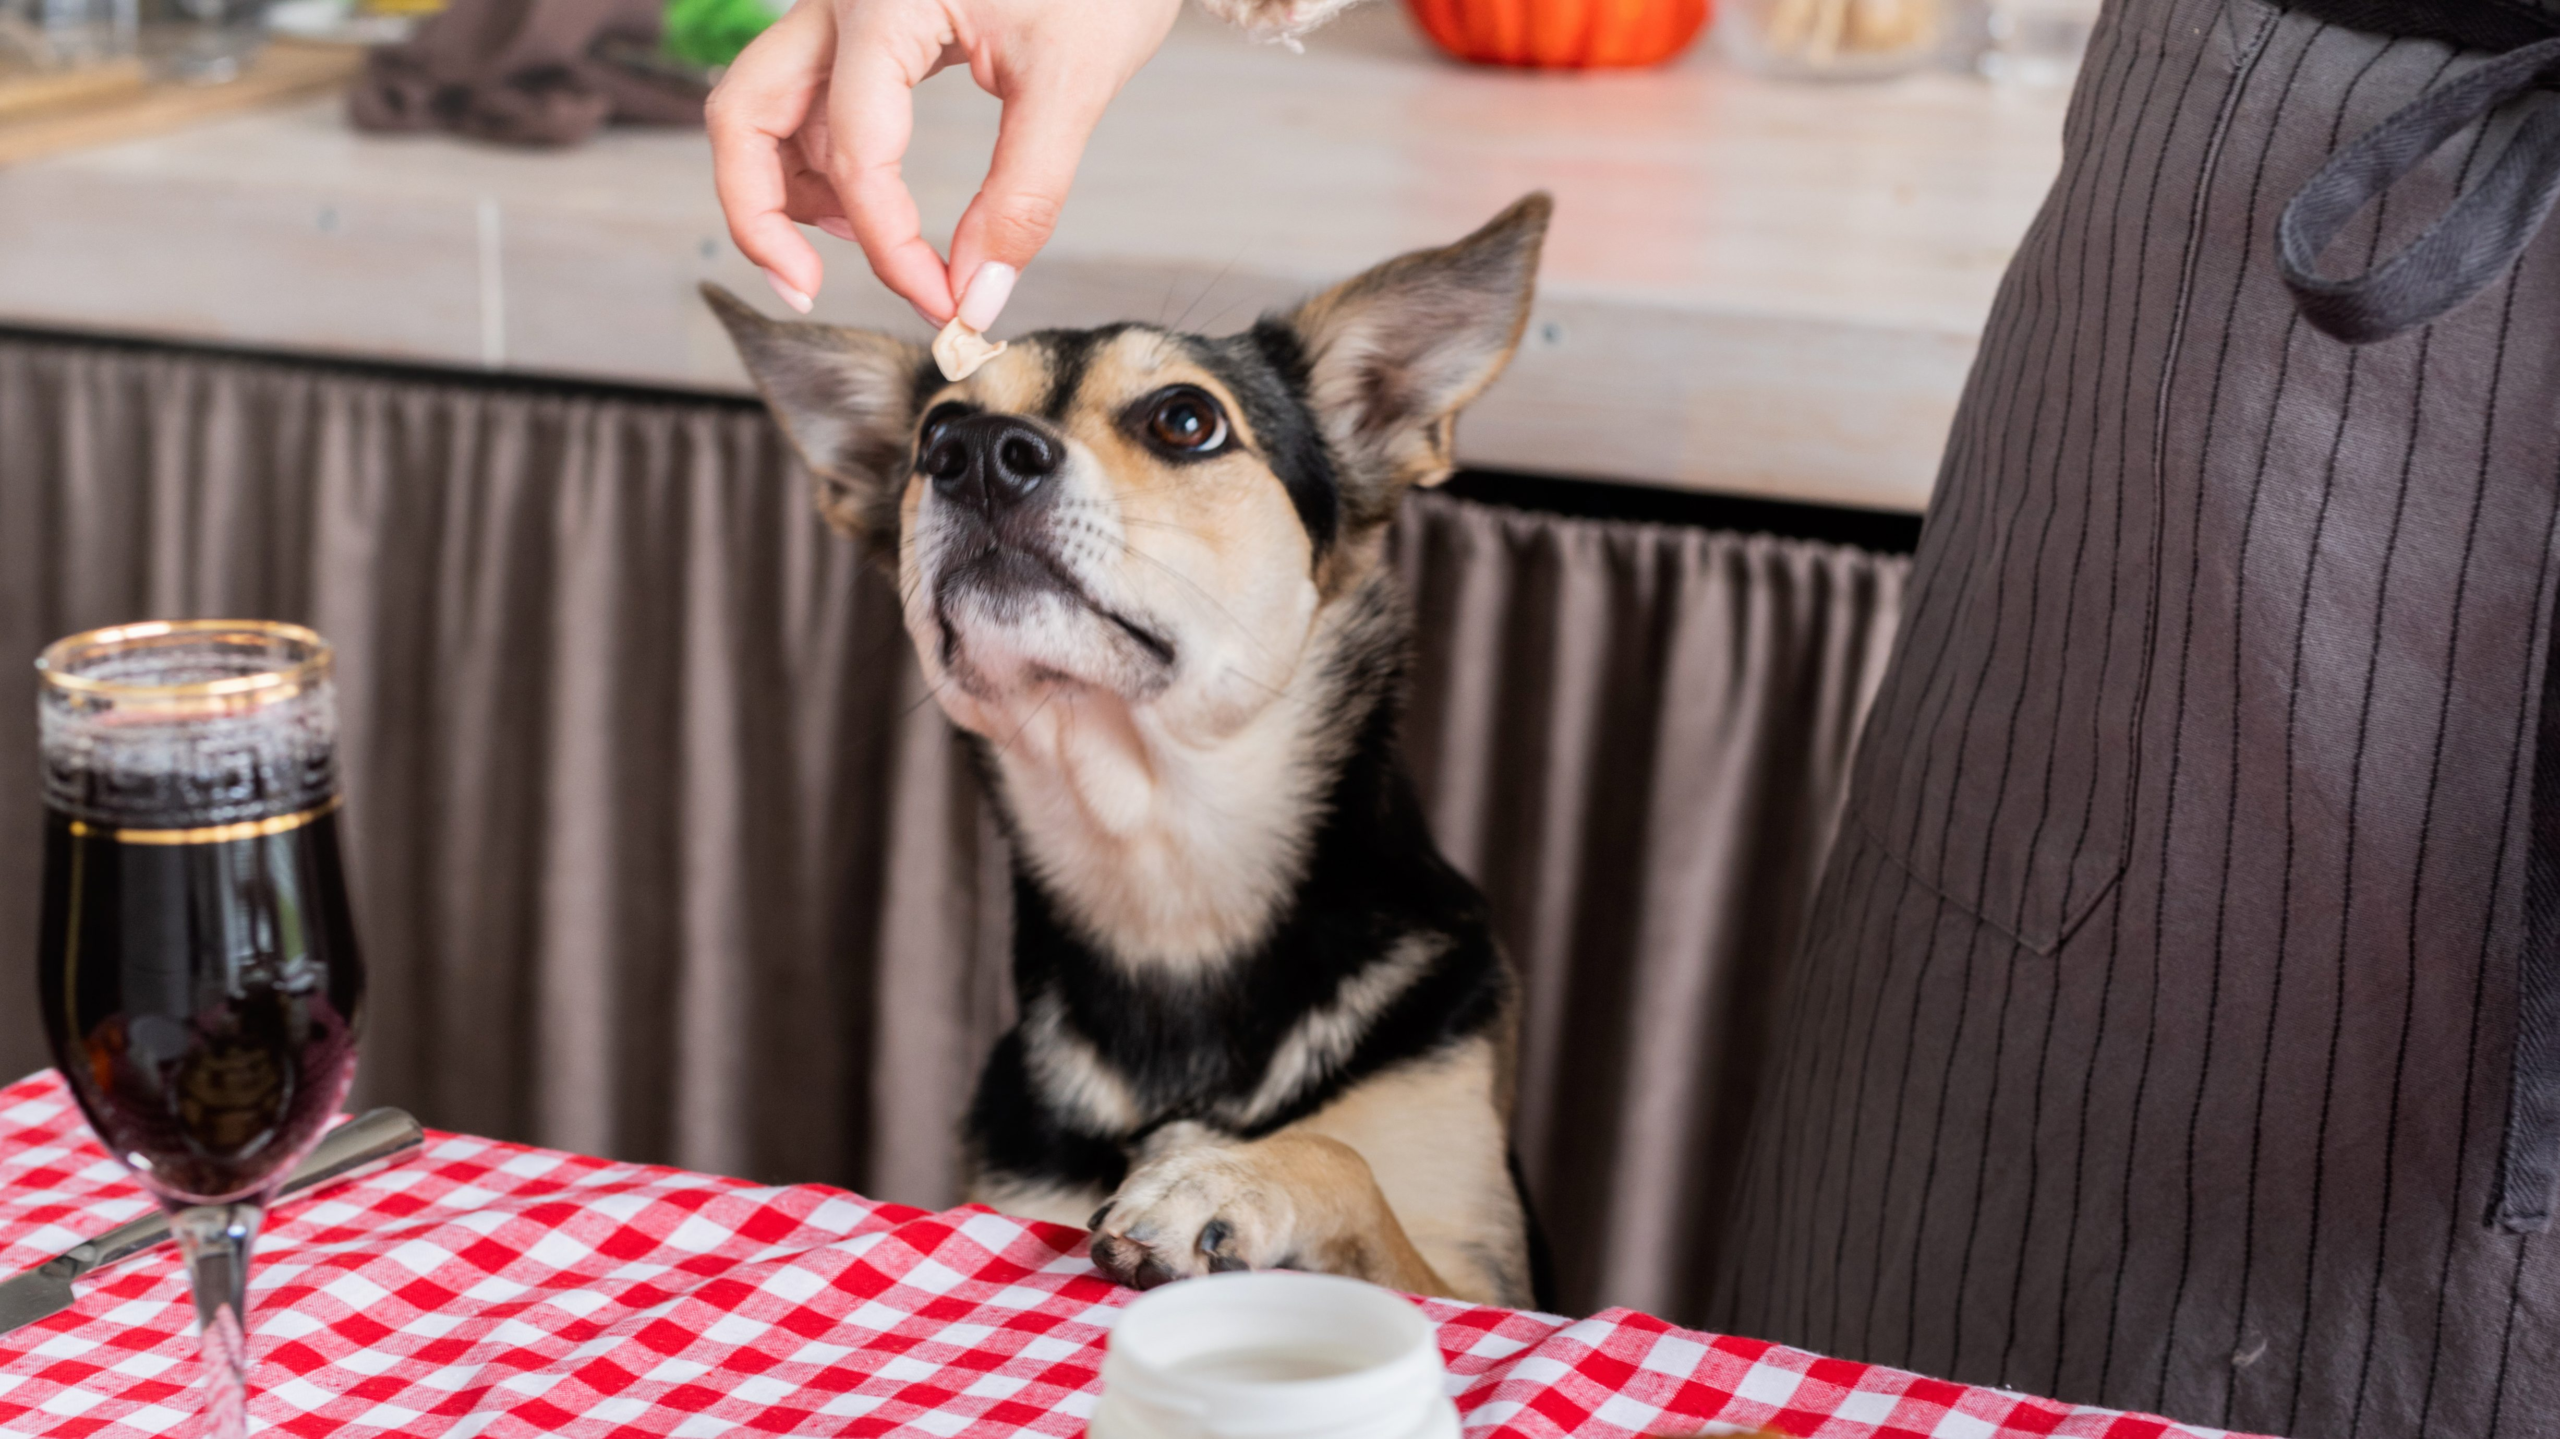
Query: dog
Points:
[1263, 1022]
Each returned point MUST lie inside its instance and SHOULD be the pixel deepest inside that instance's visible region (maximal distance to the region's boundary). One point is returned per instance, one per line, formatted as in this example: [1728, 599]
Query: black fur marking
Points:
[1191, 1048]
[1156, 645]
[926, 383]
[1265, 368]
[1011, 1132]
[1071, 353]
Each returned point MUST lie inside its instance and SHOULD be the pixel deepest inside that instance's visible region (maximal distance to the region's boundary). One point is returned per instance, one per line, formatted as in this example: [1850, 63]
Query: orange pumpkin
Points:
[1561, 34]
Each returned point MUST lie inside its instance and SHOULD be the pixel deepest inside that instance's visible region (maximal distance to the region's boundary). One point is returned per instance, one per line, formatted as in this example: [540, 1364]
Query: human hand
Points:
[812, 121]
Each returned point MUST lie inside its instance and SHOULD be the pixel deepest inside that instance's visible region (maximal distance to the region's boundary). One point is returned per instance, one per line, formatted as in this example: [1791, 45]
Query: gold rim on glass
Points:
[209, 833]
[307, 663]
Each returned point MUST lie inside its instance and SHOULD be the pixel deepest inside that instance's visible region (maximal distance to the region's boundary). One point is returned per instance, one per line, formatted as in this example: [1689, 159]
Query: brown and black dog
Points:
[1263, 1021]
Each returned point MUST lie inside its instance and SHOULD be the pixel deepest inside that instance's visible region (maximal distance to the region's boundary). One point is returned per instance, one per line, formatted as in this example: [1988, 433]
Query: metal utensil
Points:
[363, 1143]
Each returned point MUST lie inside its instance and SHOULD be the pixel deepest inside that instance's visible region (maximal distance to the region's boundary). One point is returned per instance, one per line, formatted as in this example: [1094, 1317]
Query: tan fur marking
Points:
[1435, 1145]
[1326, 1035]
[1066, 1067]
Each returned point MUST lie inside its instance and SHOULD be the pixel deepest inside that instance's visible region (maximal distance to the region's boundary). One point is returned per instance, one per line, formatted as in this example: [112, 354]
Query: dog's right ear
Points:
[847, 400]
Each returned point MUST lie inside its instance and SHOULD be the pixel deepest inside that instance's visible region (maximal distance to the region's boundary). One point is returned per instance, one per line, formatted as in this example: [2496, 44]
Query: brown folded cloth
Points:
[524, 72]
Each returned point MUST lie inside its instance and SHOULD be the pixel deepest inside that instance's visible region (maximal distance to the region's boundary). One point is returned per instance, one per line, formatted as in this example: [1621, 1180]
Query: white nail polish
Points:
[988, 290]
[790, 296]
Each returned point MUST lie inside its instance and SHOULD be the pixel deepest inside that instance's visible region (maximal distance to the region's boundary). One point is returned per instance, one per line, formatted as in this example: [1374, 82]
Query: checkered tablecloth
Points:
[490, 1289]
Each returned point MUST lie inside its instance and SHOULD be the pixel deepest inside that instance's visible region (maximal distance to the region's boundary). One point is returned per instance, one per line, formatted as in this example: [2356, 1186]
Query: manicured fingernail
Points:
[988, 290]
[924, 314]
[838, 226]
[790, 296]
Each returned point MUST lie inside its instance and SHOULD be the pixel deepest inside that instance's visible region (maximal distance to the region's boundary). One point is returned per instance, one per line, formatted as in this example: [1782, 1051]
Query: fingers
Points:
[759, 105]
[1038, 145]
[871, 116]
[829, 89]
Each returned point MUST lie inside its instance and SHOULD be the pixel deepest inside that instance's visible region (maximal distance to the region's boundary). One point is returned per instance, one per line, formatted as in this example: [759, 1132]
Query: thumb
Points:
[1041, 138]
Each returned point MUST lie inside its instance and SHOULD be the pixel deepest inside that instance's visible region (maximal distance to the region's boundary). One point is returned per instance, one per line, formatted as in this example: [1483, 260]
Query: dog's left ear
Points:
[847, 400]
[1393, 355]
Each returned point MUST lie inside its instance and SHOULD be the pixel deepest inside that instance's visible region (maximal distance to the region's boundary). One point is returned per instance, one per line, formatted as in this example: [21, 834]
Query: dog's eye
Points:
[1186, 421]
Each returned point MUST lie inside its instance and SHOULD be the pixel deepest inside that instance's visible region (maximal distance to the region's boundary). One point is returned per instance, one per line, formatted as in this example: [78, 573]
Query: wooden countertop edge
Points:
[285, 70]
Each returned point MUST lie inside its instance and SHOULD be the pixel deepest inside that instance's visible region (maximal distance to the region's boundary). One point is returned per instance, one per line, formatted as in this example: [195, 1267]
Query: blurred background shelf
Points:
[1753, 286]
[28, 96]
[56, 113]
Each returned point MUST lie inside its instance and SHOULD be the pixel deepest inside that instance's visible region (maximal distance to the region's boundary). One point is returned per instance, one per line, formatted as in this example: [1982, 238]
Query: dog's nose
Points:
[993, 462]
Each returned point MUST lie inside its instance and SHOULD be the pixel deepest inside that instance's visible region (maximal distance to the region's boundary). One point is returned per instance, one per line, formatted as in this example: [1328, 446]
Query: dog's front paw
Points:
[1201, 1208]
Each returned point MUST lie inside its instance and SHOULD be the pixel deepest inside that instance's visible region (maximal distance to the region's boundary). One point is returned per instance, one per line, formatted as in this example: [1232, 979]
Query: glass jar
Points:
[2036, 42]
[200, 42]
[64, 34]
[1833, 39]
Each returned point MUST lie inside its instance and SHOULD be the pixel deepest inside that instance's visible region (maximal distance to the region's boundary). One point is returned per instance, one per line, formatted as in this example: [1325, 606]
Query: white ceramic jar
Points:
[1274, 1355]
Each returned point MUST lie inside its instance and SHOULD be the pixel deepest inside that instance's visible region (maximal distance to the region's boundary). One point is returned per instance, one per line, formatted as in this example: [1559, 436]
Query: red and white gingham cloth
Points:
[487, 1289]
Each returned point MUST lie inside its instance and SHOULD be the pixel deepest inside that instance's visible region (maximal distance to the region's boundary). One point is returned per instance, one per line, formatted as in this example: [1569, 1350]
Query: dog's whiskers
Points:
[1007, 746]
[1130, 547]
[932, 691]
[1214, 282]
[1241, 673]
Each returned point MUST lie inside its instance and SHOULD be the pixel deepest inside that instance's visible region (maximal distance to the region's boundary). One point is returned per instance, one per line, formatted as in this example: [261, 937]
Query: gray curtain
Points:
[660, 852]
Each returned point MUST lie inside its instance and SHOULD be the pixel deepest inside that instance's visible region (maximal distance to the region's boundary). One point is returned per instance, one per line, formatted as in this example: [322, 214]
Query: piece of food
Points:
[960, 350]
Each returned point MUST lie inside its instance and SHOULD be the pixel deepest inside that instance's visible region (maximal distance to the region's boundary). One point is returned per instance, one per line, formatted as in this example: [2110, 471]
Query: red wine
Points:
[201, 987]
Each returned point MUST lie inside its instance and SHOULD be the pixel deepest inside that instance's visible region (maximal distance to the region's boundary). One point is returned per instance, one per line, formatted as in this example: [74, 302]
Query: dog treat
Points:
[960, 350]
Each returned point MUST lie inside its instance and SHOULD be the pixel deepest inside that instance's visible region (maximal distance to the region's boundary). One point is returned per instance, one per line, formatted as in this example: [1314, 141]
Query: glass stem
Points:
[216, 1239]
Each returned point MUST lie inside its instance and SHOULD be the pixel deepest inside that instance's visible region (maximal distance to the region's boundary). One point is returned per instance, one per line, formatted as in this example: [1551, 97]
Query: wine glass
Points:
[197, 963]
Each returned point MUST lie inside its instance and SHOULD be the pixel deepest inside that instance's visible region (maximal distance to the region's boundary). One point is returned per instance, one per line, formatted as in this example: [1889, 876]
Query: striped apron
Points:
[2176, 1032]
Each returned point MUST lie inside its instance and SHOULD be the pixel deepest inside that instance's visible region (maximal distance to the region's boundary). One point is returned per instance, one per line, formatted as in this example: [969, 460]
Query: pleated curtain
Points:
[661, 851]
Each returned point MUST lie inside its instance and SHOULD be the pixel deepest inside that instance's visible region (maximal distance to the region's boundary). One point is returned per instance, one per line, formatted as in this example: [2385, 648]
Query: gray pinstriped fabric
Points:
[2153, 1045]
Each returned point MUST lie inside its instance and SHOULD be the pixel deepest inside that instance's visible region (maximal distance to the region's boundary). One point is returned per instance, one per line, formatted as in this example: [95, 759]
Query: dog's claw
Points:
[1095, 1223]
[1217, 1245]
[1128, 1259]
[1117, 1258]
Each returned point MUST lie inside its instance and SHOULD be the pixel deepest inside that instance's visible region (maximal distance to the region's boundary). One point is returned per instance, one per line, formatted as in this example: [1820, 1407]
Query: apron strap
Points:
[2466, 250]
[2529, 1161]
[2475, 241]
[2492, 25]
